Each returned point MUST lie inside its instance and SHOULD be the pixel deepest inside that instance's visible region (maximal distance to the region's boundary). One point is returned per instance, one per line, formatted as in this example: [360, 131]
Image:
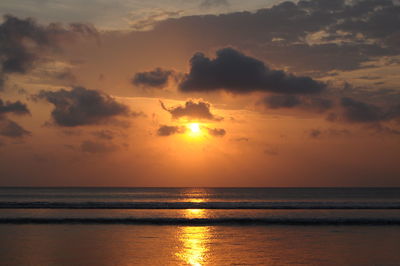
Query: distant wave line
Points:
[200, 205]
[205, 221]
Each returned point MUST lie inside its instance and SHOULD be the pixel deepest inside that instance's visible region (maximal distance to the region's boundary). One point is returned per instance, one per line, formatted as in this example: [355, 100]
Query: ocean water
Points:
[199, 226]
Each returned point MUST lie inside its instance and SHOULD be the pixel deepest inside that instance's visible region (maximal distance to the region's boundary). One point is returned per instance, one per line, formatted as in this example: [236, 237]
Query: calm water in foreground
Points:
[139, 226]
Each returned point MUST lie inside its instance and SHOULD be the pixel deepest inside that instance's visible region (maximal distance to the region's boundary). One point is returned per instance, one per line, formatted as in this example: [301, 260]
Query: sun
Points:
[194, 129]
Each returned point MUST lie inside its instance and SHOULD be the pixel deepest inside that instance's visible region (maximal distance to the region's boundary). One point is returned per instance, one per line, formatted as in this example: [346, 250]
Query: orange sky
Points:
[273, 97]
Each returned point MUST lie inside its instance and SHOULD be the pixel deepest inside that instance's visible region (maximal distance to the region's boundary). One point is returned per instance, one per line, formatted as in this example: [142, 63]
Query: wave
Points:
[202, 205]
[205, 221]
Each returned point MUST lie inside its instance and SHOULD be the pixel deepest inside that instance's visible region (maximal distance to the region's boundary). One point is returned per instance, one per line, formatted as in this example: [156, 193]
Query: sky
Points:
[200, 93]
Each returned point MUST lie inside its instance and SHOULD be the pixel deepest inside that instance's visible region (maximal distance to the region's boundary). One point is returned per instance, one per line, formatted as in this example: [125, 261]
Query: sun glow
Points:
[194, 129]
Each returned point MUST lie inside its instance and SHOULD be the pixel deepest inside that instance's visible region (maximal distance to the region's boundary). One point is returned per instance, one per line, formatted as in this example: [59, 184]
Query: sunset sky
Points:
[200, 93]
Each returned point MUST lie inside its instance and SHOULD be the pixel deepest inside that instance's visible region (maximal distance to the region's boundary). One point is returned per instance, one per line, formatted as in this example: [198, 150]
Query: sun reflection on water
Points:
[194, 239]
[197, 200]
[194, 249]
[195, 213]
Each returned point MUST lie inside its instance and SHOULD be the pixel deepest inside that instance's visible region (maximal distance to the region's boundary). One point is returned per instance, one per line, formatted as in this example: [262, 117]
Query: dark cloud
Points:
[322, 57]
[372, 18]
[192, 110]
[11, 129]
[2, 81]
[316, 35]
[23, 41]
[89, 146]
[81, 106]
[13, 107]
[216, 132]
[357, 111]
[235, 72]
[157, 78]
[165, 130]
[318, 104]
[15, 34]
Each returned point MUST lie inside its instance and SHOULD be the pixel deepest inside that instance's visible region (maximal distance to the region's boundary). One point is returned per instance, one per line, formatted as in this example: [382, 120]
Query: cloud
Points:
[23, 42]
[316, 36]
[315, 133]
[281, 101]
[165, 130]
[216, 132]
[237, 73]
[356, 111]
[16, 57]
[372, 18]
[157, 78]
[378, 128]
[13, 107]
[81, 106]
[214, 3]
[89, 146]
[146, 19]
[192, 110]
[317, 104]
[104, 134]
[332, 132]
[361, 112]
[9, 128]
[59, 77]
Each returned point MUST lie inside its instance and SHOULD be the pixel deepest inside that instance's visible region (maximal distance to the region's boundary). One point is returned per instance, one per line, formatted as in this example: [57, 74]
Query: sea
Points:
[199, 226]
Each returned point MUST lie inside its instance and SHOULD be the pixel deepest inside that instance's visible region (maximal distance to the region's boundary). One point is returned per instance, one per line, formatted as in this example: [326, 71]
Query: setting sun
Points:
[194, 129]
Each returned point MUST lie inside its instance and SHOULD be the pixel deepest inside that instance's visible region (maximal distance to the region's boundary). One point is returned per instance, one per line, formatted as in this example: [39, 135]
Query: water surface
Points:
[198, 226]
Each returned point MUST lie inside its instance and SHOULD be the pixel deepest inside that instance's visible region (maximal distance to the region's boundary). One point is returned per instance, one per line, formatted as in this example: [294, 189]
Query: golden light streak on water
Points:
[194, 250]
